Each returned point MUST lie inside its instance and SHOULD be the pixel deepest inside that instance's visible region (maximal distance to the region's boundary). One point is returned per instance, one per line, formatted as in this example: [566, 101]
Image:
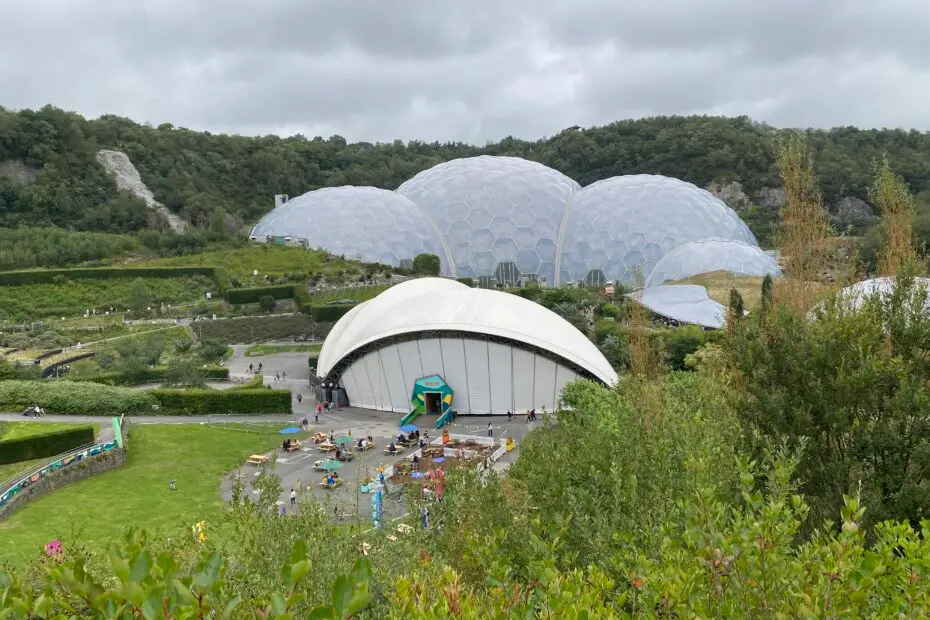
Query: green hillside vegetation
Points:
[74, 297]
[205, 177]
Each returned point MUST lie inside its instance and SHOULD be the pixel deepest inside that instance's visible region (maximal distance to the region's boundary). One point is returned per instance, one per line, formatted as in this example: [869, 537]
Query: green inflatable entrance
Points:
[431, 395]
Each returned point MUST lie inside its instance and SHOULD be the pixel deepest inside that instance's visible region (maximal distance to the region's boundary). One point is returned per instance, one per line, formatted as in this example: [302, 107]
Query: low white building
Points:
[497, 351]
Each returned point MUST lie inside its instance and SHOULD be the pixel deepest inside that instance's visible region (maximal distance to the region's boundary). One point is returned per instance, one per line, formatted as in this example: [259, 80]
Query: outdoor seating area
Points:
[291, 445]
[258, 459]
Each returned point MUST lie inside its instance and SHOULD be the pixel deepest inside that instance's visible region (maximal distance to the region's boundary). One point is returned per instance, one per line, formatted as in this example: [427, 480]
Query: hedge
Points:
[330, 313]
[213, 402]
[256, 382]
[47, 444]
[50, 276]
[72, 397]
[151, 375]
[256, 328]
[254, 294]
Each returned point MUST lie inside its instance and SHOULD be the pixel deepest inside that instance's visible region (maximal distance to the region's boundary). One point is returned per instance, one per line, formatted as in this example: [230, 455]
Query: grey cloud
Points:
[476, 70]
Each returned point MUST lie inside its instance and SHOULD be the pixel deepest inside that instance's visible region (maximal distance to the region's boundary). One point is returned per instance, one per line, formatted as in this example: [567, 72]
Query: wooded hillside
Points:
[49, 175]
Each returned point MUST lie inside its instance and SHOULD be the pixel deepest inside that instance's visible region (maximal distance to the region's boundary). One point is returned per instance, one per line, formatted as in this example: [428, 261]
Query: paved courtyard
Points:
[296, 468]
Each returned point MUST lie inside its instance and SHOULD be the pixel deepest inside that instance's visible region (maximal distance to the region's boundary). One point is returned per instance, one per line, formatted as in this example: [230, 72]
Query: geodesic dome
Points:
[365, 223]
[708, 255]
[627, 223]
[499, 215]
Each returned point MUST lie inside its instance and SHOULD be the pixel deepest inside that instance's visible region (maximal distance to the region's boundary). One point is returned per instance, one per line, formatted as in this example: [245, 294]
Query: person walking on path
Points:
[284, 374]
[300, 398]
[509, 415]
[293, 497]
[490, 430]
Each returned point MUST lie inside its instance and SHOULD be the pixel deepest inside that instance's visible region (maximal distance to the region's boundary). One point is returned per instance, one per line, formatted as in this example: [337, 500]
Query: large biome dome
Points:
[708, 255]
[365, 223]
[625, 224]
[500, 216]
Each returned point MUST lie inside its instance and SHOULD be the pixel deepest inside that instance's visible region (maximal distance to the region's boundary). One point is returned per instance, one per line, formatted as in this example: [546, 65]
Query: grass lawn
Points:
[268, 349]
[99, 509]
[17, 430]
[719, 284]
[266, 259]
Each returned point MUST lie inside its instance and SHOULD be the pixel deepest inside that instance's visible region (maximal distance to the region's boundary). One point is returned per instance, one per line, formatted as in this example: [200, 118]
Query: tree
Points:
[267, 303]
[139, 297]
[891, 194]
[426, 265]
[805, 225]
[852, 387]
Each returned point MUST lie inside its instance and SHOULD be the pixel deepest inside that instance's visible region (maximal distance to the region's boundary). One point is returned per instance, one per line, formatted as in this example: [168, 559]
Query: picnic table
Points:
[257, 459]
[326, 447]
[346, 456]
[295, 445]
[397, 450]
[336, 483]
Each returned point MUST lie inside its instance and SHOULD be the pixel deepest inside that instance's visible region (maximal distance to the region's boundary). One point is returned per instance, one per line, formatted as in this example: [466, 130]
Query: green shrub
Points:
[254, 295]
[151, 375]
[54, 276]
[217, 402]
[330, 313]
[47, 444]
[73, 397]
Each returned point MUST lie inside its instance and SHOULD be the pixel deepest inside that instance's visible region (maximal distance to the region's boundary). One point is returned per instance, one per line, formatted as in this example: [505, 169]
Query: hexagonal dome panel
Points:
[520, 203]
[632, 221]
[365, 223]
[710, 255]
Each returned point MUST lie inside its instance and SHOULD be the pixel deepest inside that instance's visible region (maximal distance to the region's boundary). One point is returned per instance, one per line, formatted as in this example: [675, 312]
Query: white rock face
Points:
[127, 177]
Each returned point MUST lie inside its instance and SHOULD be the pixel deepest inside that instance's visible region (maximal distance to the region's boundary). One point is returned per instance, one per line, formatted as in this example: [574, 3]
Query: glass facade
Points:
[710, 255]
[623, 226]
[365, 223]
[493, 211]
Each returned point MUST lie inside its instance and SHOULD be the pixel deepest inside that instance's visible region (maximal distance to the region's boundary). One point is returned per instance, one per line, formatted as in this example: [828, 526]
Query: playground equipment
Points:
[431, 394]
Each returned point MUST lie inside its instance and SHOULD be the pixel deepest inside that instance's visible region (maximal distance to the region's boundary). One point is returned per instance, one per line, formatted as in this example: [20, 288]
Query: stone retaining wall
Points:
[65, 471]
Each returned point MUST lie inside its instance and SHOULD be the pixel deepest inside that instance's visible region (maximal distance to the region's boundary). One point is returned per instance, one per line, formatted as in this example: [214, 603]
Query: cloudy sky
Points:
[471, 70]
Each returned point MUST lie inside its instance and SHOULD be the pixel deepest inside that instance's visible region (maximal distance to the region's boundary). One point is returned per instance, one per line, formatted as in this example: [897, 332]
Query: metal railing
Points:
[18, 479]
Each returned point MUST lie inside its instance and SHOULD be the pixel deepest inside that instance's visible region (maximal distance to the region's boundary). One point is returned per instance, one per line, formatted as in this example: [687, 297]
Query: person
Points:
[305, 423]
[285, 444]
[251, 367]
[370, 440]
[284, 374]
[392, 449]
[331, 479]
[277, 376]
[361, 444]
[329, 406]
[400, 438]
[338, 453]
[509, 415]
[300, 398]
[528, 416]
[259, 367]
[293, 497]
[416, 459]
[490, 430]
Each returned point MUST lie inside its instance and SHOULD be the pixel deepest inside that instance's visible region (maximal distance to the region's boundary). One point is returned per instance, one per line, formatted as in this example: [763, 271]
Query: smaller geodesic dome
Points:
[709, 255]
[853, 296]
[619, 228]
[432, 384]
[364, 223]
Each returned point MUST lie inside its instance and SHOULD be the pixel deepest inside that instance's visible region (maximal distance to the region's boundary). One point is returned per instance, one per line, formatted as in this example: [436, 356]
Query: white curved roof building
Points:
[500, 216]
[709, 255]
[625, 224]
[497, 351]
[365, 223]
[853, 296]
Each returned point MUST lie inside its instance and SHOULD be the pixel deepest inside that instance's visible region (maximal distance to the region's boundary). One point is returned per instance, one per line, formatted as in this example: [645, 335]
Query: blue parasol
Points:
[290, 430]
[408, 428]
[439, 459]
